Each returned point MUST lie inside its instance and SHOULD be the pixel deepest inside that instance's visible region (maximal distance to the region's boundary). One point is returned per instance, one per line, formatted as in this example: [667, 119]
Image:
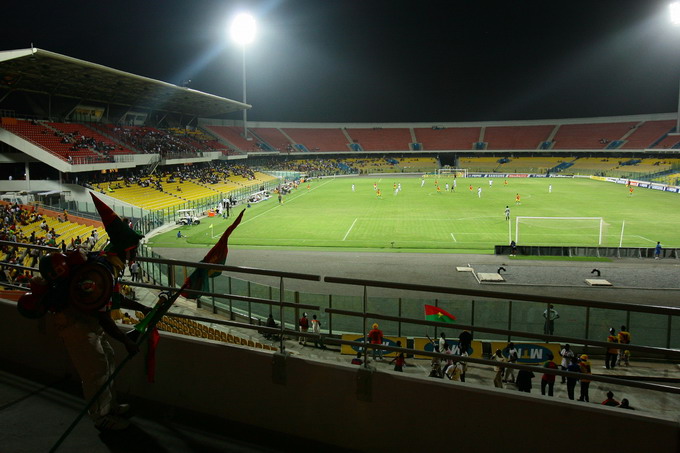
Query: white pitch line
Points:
[642, 237]
[454, 238]
[298, 195]
[350, 229]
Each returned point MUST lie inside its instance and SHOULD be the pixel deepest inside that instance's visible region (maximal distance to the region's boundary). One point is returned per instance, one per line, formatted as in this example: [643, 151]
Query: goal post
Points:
[564, 229]
[458, 172]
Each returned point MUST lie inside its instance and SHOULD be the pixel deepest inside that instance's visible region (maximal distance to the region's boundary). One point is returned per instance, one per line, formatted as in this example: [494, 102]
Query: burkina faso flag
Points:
[433, 313]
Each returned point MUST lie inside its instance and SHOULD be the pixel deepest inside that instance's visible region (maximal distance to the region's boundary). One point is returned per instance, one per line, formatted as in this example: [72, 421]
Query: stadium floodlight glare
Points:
[675, 12]
[242, 31]
[674, 9]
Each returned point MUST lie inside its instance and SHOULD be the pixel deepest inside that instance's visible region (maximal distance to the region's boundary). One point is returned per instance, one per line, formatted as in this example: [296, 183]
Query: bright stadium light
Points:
[242, 31]
[675, 12]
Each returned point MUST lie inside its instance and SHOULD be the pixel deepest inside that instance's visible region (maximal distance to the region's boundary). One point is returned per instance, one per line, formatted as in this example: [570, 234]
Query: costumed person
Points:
[81, 289]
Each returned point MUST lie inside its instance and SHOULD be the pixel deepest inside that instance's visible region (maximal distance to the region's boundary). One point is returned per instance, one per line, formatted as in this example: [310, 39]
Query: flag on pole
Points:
[151, 355]
[211, 226]
[433, 313]
[198, 280]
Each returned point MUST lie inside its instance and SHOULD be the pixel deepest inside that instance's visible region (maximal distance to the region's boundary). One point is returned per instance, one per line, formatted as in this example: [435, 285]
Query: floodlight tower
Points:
[242, 32]
[675, 20]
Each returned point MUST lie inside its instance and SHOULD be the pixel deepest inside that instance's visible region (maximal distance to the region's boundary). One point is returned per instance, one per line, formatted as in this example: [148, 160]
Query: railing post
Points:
[587, 326]
[472, 308]
[509, 318]
[363, 328]
[212, 290]
[668, 332]
[330, 315]
[171, 275]
[399, 324]
[231, 302]
[436, 304]
[282, 346]
[249, 305]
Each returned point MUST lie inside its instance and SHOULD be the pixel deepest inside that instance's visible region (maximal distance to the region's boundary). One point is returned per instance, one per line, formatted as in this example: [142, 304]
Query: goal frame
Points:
[461, 172]
[600, 219]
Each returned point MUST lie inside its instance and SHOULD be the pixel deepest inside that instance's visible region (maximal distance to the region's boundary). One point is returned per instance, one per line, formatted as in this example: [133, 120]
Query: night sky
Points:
[381, 61]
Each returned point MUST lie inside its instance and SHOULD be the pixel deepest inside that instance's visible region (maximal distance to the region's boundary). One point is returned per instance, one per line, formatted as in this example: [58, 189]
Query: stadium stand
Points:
[668, 142]
[381, 139]
[234, 136]
[516, 137]
[590, 136]
[531, 164]
[447, 138]
[484, 164]
[418, 164]
[189, 327]
[50, 140]
[273, 137]
[647, 134]
[138, 195]
[321, 139]
[89, 138]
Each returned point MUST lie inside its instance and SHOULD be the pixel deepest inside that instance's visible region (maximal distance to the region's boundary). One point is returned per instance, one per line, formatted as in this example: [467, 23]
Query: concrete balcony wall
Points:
[344, 405]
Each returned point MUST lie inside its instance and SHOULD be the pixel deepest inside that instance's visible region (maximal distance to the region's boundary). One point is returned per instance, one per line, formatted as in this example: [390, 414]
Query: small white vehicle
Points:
[187, 217]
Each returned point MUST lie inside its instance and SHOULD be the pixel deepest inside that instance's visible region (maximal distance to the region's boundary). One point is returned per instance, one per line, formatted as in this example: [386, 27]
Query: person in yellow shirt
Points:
[585, 382]
[624, 339]
[612, 352]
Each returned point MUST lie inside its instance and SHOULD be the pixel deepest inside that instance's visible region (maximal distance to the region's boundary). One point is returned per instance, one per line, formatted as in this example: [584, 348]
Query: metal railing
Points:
[285, 305]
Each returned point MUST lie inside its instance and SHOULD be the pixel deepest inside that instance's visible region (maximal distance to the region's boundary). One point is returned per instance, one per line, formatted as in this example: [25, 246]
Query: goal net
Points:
[458, 172]
[574, 231]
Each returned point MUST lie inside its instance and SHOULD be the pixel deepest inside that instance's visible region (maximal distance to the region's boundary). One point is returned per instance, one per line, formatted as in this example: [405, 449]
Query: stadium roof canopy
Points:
[40, 71]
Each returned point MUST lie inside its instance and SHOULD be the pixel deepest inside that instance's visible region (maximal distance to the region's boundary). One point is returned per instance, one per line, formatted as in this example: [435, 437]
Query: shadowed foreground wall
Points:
[342, 405]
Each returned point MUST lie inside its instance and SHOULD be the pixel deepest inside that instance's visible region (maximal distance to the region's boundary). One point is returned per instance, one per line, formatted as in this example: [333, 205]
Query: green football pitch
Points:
[329, 215]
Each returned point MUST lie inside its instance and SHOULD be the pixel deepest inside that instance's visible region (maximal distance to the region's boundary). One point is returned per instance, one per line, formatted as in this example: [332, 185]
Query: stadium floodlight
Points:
[674, 9]
[242, 31]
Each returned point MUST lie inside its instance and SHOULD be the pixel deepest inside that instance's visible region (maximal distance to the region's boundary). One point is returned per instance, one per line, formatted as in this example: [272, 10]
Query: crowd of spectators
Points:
[12, 219]
[173, 143]
[80, 141]
[322, 166]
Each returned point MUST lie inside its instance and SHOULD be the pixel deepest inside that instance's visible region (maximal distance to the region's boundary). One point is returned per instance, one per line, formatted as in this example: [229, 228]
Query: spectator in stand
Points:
[498, 369]
[624, 354]
[512, 357]
[585, 382]
[567, 354]
[610, 401]
[573, 367]
[626, 405]
[524, 378]
[612, 353]
[316, 328]
[548, 379]
[303, 324]
[375, 336]
[399, 361]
